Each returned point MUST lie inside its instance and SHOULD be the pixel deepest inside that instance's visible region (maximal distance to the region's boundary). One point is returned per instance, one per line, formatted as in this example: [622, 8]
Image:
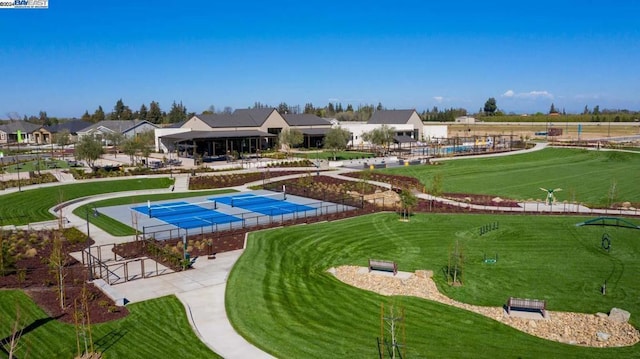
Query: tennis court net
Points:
[257, 199]
[183, 208]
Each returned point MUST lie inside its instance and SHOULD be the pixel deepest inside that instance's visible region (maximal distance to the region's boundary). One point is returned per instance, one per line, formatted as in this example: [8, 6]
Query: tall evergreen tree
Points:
[177, 113]
[490, 107]
[43, 119]
[98, 115]
[126, 114]
[283, 108]
[155, 114]
[118, 109]
[331, 109]
[308, 108]
[142, 113]
[86, 116]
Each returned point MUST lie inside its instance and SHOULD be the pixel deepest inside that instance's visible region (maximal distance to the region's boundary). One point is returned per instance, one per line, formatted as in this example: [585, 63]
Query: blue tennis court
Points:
[187, 215]
[272, 205]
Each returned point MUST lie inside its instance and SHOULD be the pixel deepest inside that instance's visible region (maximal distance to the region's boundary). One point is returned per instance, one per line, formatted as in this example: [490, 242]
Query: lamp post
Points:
[18, 161]
[317, 158]
[87, 218]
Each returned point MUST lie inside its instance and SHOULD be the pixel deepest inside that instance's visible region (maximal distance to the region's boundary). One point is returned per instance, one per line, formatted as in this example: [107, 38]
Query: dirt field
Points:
[590, 130]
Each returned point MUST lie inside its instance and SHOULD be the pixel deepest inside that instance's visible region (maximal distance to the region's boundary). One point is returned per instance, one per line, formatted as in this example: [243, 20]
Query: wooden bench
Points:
[387, 266]
[527, 305]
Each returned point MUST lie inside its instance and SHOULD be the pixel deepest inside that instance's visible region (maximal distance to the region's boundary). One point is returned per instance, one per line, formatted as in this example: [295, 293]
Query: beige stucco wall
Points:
[196, 125]
[275, 120]
[417, 124]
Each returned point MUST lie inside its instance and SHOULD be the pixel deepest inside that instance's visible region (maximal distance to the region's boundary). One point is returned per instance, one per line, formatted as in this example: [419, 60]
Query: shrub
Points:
[30, 253]
[74, 235]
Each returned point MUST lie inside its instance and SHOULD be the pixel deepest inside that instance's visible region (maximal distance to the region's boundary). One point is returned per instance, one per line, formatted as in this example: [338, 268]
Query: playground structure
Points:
[489, 227]
[490, 260]
[609, 221]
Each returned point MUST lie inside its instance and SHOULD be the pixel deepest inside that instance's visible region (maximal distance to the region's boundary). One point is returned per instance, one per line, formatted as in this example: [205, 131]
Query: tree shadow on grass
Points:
[29, 328]
[108, 340]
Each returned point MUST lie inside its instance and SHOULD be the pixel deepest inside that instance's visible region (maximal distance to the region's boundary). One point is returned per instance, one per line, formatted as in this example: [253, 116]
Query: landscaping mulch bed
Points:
[238, 179]
[395, 181]
[30, 251]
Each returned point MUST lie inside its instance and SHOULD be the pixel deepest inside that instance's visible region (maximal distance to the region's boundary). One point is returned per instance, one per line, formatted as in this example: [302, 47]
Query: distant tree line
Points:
[362, 112]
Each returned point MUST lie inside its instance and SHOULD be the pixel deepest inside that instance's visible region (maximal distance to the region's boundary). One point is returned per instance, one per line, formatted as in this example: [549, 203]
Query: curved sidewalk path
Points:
[202, 291]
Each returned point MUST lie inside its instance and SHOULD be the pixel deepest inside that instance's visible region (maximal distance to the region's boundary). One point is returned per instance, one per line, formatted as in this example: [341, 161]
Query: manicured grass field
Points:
[20, 208]
[585, 176]
[36, 165]
[281, 298]
[117, 228]
[154, 329]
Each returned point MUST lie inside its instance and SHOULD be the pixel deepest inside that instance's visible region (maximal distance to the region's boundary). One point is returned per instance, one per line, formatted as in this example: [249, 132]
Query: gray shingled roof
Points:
[305, 120]
[239, 118]
[115, 126]
[73, 126]
[13, 127]
[390, 117]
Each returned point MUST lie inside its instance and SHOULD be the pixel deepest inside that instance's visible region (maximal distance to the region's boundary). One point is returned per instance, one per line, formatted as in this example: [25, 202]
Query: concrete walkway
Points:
[202, 290]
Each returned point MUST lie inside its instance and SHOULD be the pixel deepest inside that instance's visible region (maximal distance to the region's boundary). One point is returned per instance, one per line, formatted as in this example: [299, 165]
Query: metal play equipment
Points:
[551, 198]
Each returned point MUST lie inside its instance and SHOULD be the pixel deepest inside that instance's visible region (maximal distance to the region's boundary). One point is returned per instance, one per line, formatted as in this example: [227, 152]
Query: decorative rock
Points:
[619, 315]
[424, 273]
[571, 328]
[602, 315]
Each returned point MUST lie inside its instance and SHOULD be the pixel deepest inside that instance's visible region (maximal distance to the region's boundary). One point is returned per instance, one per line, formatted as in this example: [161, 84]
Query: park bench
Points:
[527, 305]
[380, 265]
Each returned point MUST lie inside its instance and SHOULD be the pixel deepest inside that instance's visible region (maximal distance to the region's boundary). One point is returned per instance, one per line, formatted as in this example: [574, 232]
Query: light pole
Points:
[87, 218]
[317, 158]
[18, 162]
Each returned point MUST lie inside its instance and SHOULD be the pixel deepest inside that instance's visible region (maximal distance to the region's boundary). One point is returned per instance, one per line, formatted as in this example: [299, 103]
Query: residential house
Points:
[9, 132]
[45, 134]
[128, 129]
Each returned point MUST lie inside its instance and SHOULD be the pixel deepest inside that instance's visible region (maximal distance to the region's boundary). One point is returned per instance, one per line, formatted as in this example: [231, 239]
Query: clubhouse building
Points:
[250, 131]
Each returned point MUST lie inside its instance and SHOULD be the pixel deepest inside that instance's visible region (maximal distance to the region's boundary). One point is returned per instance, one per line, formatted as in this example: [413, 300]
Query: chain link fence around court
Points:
[324, 209]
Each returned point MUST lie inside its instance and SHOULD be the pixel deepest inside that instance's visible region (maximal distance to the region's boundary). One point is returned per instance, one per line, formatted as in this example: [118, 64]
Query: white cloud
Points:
[438, 99]
[528, 95]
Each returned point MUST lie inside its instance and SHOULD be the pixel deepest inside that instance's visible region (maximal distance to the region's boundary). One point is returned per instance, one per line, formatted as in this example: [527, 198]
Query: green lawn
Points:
[33, 205]
[117, 228]
[35, 165]
[154, 329]
[280, 296]
[585, 176]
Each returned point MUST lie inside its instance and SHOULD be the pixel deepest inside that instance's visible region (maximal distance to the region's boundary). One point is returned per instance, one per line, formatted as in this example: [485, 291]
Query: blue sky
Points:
[77, 55]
